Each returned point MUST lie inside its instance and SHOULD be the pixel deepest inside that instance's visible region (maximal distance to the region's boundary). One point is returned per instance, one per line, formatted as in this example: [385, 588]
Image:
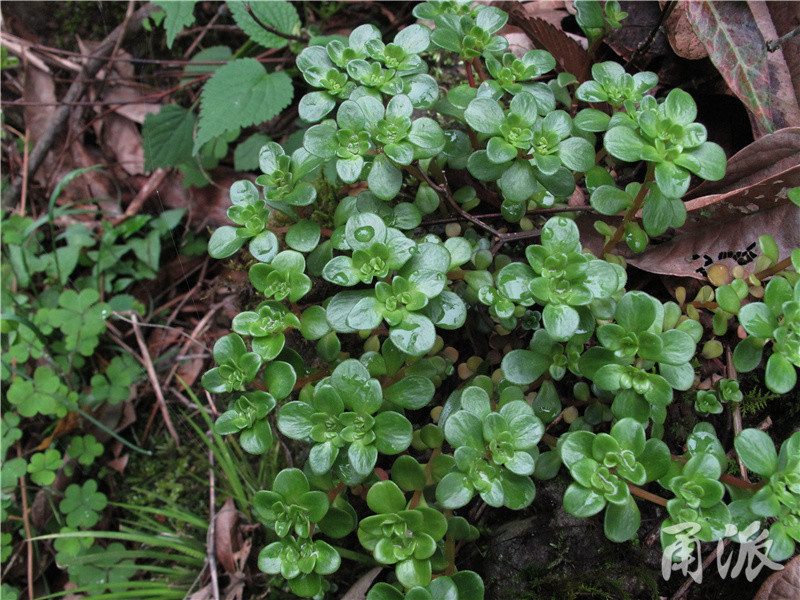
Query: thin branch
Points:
[773, 45]
[737, 413]
[631, 213]
[97, 59]
[151, 373]
[645, 46]
[211, 537]
[27, 523]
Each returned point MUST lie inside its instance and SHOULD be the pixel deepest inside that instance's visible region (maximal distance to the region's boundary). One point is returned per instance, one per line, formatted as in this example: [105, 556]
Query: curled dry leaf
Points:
[358, 591]
[786, 18]
[783, 81]
[681, 36]
[738, 50]
[782, 585]
[570, 56]
[124, 141]
[691, 254]
[767, 156]
[642, 18]
[127, 96]
[226, 536]
[119, 464]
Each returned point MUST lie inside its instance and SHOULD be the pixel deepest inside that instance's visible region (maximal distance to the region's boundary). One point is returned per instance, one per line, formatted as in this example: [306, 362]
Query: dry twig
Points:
[95, 62]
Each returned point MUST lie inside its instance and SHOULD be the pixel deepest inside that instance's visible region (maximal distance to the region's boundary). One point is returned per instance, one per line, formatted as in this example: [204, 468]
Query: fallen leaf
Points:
[765, 157]
[786, 17]
[554, 12]
[39, 94]
[204, 593]
[235, 588]
[681, 36]
[642, 18]
[718, 208]
[123, 140]
[518, 41]
[119, 464]
[785, 107]
[689, 255]
[64, 426]
[92, 184]
[358, 591]
[570, 56]
[208, 205]
[226, 538]
[128, 413]
[738, 50]
[127, 95]
[782, 585]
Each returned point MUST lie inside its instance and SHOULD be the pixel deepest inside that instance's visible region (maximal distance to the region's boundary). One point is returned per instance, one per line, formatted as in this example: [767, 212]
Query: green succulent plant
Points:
[398, 263]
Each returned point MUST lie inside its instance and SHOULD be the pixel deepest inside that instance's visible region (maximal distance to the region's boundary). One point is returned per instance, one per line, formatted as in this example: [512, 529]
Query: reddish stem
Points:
[479, 68]
[637, 491]
[470, 76]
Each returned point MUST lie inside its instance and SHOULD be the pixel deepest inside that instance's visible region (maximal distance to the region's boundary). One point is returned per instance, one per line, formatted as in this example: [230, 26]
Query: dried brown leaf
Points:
[785, 107]
[92, 184]
[358, 591]
[681, 36]
[123, 140]
[765, 157]
[642, 18]
[554, 12]
[235, 588]
[204, 593]
[226, 535]
[685, 256]
[786, 17]
[739, 52]
[119, 464]
[518, 41]
[189, 370]
[570, 56]
[40, 97]
[782, 585]
[207, 206]
[127, 95]
[765, 194]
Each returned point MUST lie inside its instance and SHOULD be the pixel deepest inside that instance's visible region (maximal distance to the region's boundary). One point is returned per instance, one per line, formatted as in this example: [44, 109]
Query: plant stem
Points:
[26, 522]
[779, 266]
[744, 485]
[645, 495]
[773, 45]
[635, 207]
[737, 413]
[479, 68]
[470, 76]
[450, 549]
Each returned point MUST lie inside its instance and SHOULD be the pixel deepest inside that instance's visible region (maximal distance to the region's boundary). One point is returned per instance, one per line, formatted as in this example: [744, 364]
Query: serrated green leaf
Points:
[241, 94]
[179, 15]
[278, 14]
[167, 137]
